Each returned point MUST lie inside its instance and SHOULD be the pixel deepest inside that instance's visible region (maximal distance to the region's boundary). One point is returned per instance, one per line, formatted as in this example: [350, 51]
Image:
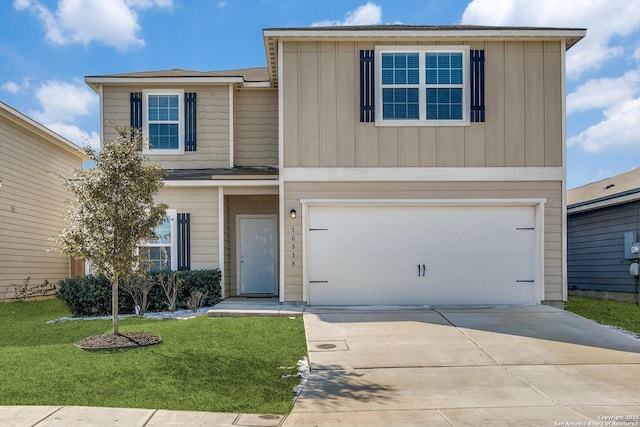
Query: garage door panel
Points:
[370, 255]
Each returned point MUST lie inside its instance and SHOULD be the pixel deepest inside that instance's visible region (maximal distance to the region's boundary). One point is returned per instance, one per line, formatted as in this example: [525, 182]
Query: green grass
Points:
[613, 313]
[203, 364]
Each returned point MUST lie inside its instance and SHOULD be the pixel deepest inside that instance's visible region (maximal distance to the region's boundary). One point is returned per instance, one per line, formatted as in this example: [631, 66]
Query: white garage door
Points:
[421, 255]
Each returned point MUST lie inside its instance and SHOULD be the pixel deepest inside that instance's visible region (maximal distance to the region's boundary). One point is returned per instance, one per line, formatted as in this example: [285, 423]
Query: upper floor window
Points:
[422, 85]
[163, 121]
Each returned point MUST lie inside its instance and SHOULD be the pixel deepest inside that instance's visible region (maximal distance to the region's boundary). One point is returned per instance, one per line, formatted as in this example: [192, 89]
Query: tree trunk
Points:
[114, 303]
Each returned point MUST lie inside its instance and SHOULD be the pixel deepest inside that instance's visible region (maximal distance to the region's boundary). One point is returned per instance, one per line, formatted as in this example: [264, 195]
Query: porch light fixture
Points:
[292, 213]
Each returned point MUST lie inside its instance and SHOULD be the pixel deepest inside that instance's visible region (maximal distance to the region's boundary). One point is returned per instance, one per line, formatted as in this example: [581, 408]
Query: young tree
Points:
[113, 211]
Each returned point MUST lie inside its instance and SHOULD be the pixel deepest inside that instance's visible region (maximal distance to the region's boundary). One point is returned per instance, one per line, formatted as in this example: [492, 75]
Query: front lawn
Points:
[622, 314]
[204, 364]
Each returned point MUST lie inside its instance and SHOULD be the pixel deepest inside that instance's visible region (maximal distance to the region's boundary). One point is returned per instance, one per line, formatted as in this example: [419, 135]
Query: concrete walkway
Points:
[385, 366]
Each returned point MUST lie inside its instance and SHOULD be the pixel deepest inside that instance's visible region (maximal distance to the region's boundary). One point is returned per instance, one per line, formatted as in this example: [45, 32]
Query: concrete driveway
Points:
[524, 366]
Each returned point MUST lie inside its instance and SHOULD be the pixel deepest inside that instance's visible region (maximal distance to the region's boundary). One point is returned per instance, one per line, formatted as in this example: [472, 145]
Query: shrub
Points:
[31, 290]
[91, 295]
[205, 281]
[86, 296]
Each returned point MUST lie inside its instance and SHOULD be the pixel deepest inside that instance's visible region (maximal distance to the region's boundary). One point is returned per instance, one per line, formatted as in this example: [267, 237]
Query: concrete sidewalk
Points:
[78, 416]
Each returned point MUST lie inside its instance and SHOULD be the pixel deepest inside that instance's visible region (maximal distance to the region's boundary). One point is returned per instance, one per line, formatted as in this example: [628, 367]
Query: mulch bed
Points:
[124, 340]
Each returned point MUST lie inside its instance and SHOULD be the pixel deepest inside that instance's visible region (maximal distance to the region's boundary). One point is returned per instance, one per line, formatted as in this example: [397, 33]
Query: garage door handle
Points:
[424, 270]
[418, 270]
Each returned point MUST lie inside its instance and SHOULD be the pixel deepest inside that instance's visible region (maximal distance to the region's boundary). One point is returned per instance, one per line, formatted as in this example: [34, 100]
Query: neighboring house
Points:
[32, 201]
[366, 165]
[598, 257]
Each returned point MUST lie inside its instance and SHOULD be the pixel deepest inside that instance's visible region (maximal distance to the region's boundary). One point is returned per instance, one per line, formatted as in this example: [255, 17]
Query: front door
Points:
[257, 254]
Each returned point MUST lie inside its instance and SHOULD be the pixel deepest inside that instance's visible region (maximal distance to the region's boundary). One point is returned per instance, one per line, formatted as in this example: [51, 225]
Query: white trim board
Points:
[604, 203]
[424, 174]
[222, 183]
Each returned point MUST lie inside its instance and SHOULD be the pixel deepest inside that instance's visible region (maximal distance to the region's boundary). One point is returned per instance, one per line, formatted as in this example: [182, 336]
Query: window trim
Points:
[145, 120]
[422, 86]
[173, 218]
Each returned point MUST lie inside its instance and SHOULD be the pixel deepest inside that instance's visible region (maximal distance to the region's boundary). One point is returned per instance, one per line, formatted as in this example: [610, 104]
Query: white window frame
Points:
[422, 86]
[145, 120]
[173, 218]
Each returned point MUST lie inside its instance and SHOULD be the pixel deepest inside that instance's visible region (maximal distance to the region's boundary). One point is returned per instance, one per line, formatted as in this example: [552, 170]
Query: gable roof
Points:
[406, 32]
[249, 77]
[9, 114]
[615, 190]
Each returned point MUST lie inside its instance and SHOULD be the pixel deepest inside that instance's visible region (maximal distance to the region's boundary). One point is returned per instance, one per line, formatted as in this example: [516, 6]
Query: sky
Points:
[47, 47]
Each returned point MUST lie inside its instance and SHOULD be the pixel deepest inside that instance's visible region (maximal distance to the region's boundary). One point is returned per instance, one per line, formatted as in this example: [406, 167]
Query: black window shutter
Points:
[189, 122]
[136, 110]
[477, 85]
[184, 241]
[367, 86]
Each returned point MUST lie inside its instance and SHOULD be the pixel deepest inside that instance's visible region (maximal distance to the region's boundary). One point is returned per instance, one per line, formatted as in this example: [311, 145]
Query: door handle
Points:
[423, 272]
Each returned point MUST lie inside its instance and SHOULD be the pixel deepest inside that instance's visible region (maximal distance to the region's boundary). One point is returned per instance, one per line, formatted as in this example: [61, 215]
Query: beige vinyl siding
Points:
[549, 190]
[212, 124]
[32, 206]
[523, 127]
[243, 205]
[202, 204]
[256, 127]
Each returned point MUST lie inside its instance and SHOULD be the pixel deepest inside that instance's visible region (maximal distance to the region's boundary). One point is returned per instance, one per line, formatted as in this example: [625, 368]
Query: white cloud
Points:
[76, 135]
[221, 4]
[604, 20]
[149, 4]
[367, 14]
[618, 131]
[62, 101]
[15, 88]
[604, 92]
[113, 22]
[11, 87]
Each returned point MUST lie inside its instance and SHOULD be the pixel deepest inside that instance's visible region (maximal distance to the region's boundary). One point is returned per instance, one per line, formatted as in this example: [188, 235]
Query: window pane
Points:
[456, 60]
[444, 104]
[163, 136]
[163, 107]
[443, 68]
[159, 258]
[387, 77]
[456, 77]
[400, 104]
[400, 68]
[387, 60]
[163, 232]
[443, 77]
[413, 77]
[443, 60]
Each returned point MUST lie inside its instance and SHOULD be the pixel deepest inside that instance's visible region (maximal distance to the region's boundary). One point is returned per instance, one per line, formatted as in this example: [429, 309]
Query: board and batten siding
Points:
[549, 190]
[32, 208]
[256, 127]
[212, 125]
[202, 204]
[523, 100]
[595, 248]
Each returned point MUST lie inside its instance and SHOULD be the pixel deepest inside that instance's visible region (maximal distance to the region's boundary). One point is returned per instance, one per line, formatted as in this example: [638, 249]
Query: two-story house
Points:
[365, 165]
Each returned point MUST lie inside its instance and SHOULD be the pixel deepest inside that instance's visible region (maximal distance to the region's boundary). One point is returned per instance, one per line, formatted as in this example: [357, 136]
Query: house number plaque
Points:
[293, 247]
